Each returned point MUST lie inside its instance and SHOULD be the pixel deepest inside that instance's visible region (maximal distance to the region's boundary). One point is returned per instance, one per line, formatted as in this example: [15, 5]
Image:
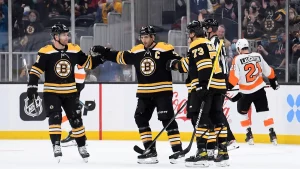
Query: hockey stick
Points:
[235, 98]
[186, 150]
[232, 90]
[85, 106]
[141, 151]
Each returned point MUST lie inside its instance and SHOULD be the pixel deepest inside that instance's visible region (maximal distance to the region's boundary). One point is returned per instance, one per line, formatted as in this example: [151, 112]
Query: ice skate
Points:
[84, 154]
[273, 137]
[148, 158]
[249, 137]
[232, 145]
[57, 152]
[199, 160]
[174, 160]
[222, 159]
[68, 141]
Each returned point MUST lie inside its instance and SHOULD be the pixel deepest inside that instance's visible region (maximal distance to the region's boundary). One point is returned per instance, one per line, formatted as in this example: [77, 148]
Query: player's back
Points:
[247, 70]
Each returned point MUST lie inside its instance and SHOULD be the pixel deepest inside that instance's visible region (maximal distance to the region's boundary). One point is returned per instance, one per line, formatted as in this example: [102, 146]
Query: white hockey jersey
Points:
[247, 70]
[79, 74]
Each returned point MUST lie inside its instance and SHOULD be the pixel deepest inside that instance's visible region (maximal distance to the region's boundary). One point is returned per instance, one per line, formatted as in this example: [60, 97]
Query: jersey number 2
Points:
[251, 68]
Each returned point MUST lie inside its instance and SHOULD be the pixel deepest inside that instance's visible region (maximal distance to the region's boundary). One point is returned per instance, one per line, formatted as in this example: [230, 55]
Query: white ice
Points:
[19, 154]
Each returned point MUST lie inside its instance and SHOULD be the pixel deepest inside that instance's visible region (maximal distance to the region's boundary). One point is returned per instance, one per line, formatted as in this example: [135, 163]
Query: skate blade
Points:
[152, 160]
[201, 164]
[250, 142]
[224, 163]
[58, 159]
[85, 159]
[176, 161]
[234, 147]
[274, 142]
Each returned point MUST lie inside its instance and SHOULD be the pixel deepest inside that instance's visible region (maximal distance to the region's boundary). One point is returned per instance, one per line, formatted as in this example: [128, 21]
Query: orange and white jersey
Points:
[247, 70]
[79, 74]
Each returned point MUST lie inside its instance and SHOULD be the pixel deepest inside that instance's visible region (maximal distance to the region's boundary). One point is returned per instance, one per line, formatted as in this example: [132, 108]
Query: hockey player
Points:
[211, 26]
[154, 88]
[80, 75]
[200, 66]
[246, 71]
[57, 61]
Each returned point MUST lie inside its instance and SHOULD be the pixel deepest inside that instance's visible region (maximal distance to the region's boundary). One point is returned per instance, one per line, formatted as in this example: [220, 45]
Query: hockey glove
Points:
[99, 50]
[274, 83]
[32, 91]
[202, 92]
[171, 64]
[237, 97]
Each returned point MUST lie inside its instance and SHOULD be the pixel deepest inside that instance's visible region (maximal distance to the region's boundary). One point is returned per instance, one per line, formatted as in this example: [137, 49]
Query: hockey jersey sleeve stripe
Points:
[32, 73]
[155, 91]
[60, 85]
[79, 76]
[258, 82]
[272, 74]
[88, 63]
[155, 84]
[120, 58]
[204, 67]
[185, 64]
[59, 88]
[37, 69]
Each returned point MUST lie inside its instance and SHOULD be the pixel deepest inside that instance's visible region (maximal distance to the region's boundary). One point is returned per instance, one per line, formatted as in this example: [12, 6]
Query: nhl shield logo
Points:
[29, 108]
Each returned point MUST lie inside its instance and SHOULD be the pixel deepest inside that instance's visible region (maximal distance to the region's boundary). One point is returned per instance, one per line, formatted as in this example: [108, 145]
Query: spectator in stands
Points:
[215, 4]
[232, 49]
[87, 6]
[201, 7]
[55, 8]
[264, 47]
[295, 45]
[3, 17]
[67, 7]
[228, 10]
[41, 7]
[110, 6]
[34, 25]
[294, 18]
[279, 51]
[251, 21]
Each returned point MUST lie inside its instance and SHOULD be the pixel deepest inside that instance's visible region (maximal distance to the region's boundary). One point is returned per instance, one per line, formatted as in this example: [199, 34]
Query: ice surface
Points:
[29, 154]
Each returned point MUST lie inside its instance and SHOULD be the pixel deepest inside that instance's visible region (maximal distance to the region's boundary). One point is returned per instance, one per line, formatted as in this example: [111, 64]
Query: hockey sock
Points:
[146, 136]
[55, 133]
[79, 135]
[221, 132]
[211, 140]
[174, 139]
[230, 134]
[268, 121]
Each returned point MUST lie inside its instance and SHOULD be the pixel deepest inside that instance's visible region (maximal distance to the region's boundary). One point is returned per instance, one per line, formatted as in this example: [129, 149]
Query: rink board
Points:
[113, 115]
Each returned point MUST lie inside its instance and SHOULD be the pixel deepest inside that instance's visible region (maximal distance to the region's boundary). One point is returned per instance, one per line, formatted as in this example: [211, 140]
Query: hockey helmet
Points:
[196, 27]
[58, 29]
[147, 30]
[241, 44]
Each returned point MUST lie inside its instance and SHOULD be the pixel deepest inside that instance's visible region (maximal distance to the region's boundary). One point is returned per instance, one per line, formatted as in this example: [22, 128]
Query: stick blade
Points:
[138, 149]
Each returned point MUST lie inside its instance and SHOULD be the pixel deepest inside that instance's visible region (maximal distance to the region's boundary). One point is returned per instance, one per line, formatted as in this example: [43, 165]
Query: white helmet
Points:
[240, 44]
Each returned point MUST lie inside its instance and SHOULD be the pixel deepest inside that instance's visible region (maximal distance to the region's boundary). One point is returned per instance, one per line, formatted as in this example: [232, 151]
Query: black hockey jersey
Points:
[201, 61]
[150, 66]
[58, 66]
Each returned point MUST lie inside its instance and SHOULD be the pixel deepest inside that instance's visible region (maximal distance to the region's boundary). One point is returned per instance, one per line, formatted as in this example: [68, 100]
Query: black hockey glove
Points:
[99, 50]
[171, 64]
[274, 83]
[237, 97]
[202, 92]
[32, 91]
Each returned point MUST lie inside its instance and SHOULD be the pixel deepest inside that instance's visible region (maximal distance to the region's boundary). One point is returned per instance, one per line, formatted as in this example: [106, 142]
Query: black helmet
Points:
[148, 30]
[58, 29]
[196, 27]
[211, 23]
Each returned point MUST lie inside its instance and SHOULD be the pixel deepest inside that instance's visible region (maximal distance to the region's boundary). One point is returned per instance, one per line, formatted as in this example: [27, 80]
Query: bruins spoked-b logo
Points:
[147, 66]
[63, 68]
[27, 108]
